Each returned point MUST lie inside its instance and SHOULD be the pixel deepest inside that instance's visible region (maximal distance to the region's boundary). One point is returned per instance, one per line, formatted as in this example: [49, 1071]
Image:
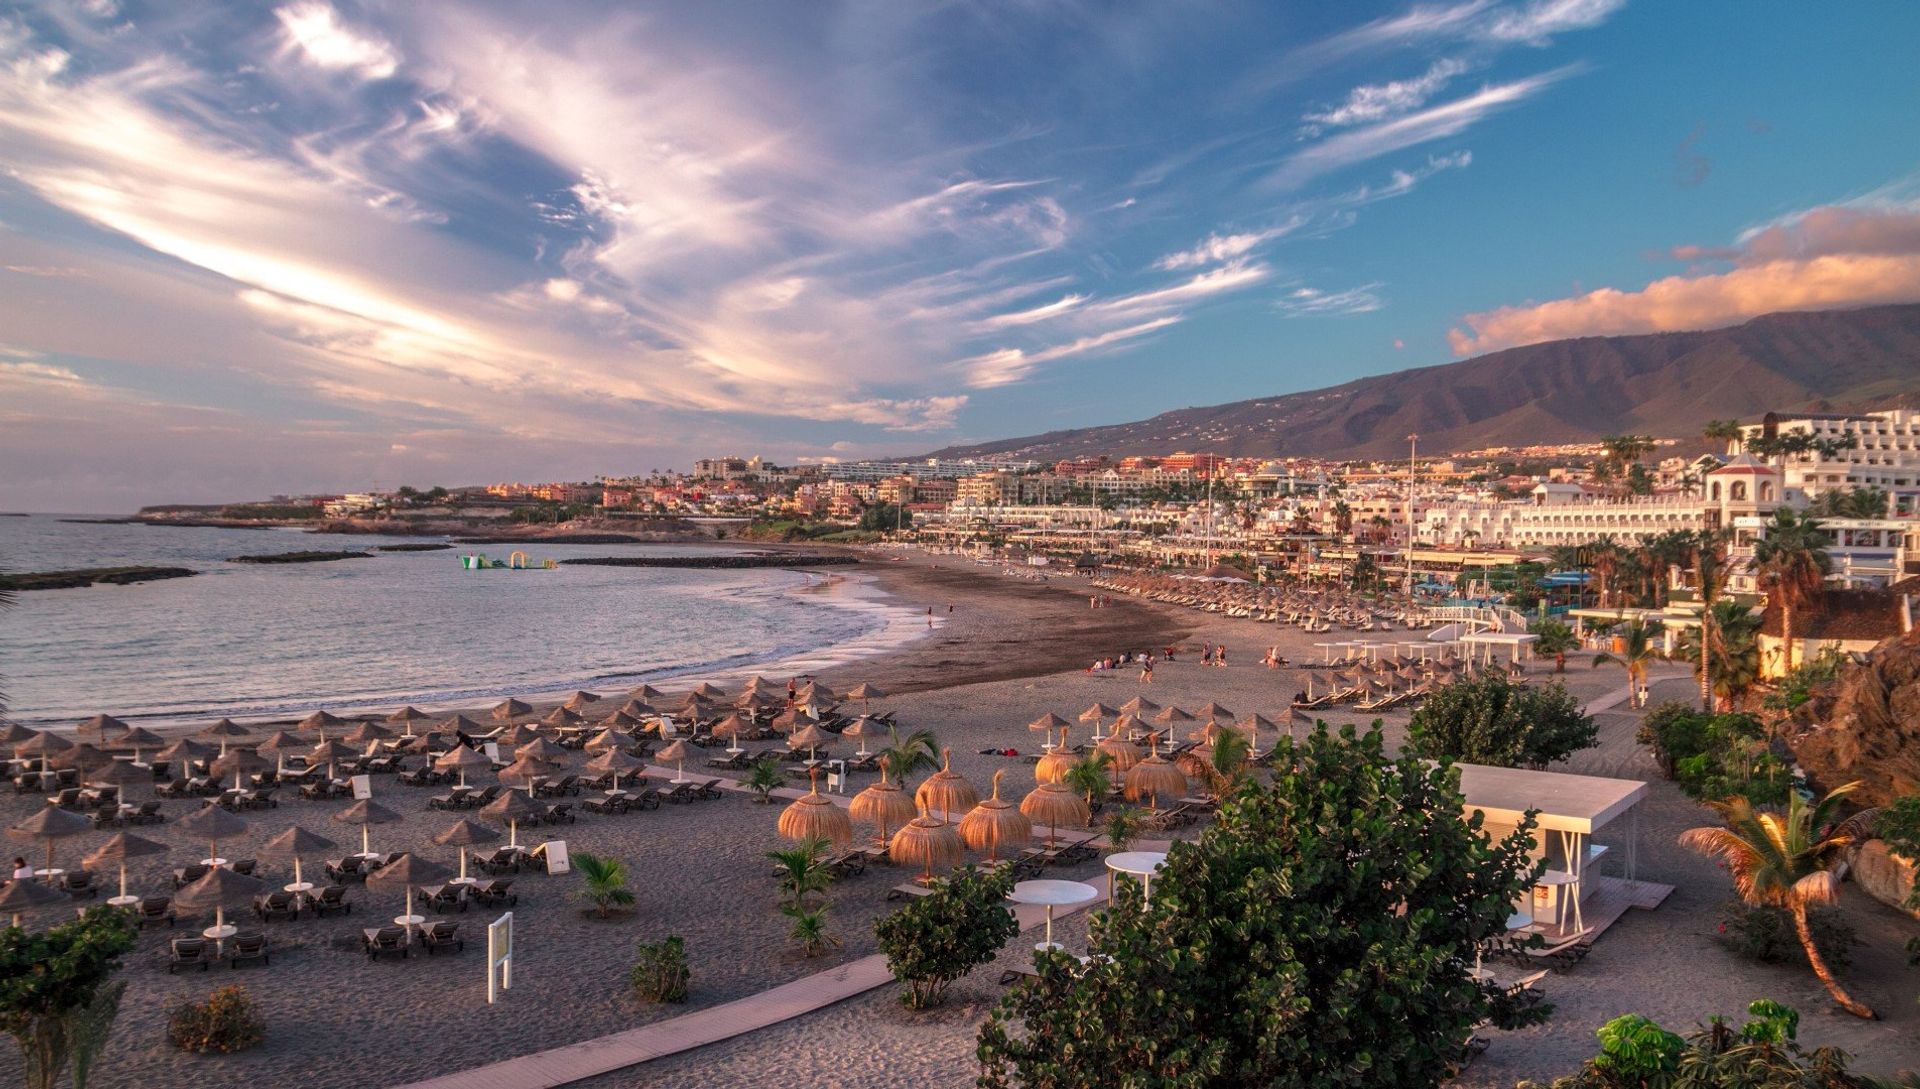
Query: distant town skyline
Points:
[316, 246]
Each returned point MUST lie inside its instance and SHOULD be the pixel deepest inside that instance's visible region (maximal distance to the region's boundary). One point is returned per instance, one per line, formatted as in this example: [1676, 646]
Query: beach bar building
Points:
[1571, 895]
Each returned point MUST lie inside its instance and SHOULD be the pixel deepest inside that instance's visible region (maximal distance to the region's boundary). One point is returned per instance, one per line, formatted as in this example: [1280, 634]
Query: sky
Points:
[323, 245]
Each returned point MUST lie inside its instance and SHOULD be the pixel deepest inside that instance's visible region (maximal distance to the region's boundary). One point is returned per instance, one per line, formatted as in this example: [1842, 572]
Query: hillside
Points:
[1663, 384]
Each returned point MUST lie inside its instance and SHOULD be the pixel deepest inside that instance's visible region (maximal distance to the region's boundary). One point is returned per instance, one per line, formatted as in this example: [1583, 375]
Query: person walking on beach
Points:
[1220, 656]
[1146, 669]
[929, 616]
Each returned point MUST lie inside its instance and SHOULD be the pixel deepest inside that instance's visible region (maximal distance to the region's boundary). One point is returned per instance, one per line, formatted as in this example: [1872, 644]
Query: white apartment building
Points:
[1886, 455]
[1557, 514]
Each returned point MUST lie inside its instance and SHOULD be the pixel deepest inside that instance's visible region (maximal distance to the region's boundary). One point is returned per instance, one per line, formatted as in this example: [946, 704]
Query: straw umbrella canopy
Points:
[44, 745]
[709, 690]
[293, 843]
[239, 763]
[756, 702]
[461, 724]
[994, 822]
[510, 808]
[141, 738]
[606, 739]
[116, 852]
[814, 816]
[812, 738]
[1254, 723]
[82, 756]
[517, 736]
[563, 716]
[226, 731]
[366, 813]
[1155, 778]
[321, 721]
[579, 700]
[863, 727]
[12, 734]
[788, 721]
[409, 870]
[1052, 767]
[119, 773]
[329, 753]
[929, 841]
[51, 824]
[462, 834]
[509, 709]
[883, 804]
[524, 772]
[542, 750]
[1098, 714]
[866, 693]
[1046, 724]
[638, 709]
[946, 790]
[1121, 753]
[407, 716]
[460, 759]
[1139, 707]
[367, 733]
[213, 824]
[755, 683]
[731, 728]
[1057, 804]
[1214, 712]
[19, 897]
[616, 762]
[277, 745]
[103, 728]
[677, 752]
[219, 889]
[645, 693]
[619, 720]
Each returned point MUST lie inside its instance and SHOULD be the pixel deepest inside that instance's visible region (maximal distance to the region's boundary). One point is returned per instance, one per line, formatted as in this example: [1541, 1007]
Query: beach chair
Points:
[350, 868]
[187, 875]
[442, 937]
[419, 777]
[559, 814]
[248, 945]
[502, 860]
[317, 791]
[332, 900]
[153, 910]
[186, 953]
[681, 794]
[243, 866]
[709, 789]
[1565, 954]
[901, 892]
[453, 799]
[475, 801]
[847, 864]
[1523, 994]
[385, 941]
[496, 894]
[261, 799]
[563, 787]
[80, 885]
[105, 818]
[276, 906]
[66, 799]
[447, 898]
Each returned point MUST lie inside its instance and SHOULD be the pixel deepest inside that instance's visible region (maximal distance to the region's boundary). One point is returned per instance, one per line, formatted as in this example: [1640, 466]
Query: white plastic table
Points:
[1051, 894]
[213, 862]
[297, 886]
[1140, 864]
[123, 901]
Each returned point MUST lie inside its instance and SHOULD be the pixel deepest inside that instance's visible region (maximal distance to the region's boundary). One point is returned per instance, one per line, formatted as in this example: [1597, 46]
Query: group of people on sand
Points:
[1100, 601]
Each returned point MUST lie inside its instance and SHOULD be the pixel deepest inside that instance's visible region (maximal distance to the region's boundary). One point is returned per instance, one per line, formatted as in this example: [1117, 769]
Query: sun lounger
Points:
[350, 868]
[248, 945]
[243, 866]
[186, 953]
[187, 875]
[496, 894]
[447, 898]
[276, 906]
[442, 937]
[502, 860]
[1564, 954]
[847, 864]
[331, 900]
[901, 892]
[685, 792]
[559, 814]
[709, 789]
[154, 910]
[148, 813]
[385, 941]
[1019, 973]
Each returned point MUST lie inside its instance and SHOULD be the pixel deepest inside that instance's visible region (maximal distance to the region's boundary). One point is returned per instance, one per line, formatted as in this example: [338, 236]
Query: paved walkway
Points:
[590, 1058]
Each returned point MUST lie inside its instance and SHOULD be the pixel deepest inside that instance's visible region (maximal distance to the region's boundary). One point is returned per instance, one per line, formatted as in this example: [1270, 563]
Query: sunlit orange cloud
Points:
[1821, 260]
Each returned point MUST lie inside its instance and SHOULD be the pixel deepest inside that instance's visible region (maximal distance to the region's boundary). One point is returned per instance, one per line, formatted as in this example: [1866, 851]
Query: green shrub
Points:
[224, 1023]
[660, 972]
[57, 995]
[1716, 756]
[942, 936]
[1491, 720]
[1765, 934]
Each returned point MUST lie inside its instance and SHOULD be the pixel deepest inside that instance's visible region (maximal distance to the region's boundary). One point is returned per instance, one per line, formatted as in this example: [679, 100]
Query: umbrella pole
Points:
[366, 831]
[513, 833]
[463, 867]
[123, 878]
[296, 871]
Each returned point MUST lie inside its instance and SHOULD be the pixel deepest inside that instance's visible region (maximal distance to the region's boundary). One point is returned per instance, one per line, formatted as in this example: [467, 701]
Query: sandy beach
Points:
[1009, 650]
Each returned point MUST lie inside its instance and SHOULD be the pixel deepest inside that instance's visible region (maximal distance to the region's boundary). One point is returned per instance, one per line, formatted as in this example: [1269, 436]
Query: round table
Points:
[213, 862]
[1140, 864]
[1051, 894]
[220, 933]
[463, 881]
[50, 873]
[1480, 975]
[123, 901]
[409, 921]
[297, 887]
[1520, 920]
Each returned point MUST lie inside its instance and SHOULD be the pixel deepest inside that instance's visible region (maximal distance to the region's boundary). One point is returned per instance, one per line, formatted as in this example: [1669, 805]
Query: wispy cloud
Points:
[1371, 102]
[1219, 248]
[1305, 302]
[315, 32]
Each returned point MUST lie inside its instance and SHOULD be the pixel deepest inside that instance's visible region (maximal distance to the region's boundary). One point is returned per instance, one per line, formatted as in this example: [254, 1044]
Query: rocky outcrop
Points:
[1884, 875]
[1867, 725]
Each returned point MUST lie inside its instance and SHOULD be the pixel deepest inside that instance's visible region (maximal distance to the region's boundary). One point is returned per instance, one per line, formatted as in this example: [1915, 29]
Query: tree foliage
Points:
[55, 989]
[942, 936]
[1320, 933]
[660, 971]
[606, 882]
[1491, 720]
[1555, 639]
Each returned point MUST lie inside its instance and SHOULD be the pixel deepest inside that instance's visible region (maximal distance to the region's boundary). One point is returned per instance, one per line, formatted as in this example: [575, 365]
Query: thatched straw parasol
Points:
[994, 822]
[82, 756]
[866, 694]
[1121, 753]
[563, 716]
[226, 731]
[863, 727]
[44, 745]
[509, 709]
[524, 772]
[946, 791]
[409, 870]
[579, 700]
[330, 753]
[220, 889]
[709, 690]
[19, 897]
[1098, 714]
[102, 728]
[277, 745]
[616, 762]
[755, 683]
[619, 720]
[121, 774]
[1155, 778]
[1214, 712]
[366, 813]
[542, 750]
[510, 809]
[678, 753]
[1046, 724]
[12, 733]
[51, 824]
[461, 724]
[606, 739]
[884, 804]
[811, 738]
[1139, 707]
[1052, 767]
[928, 841]
[731, 728]
[462, 834]
[813, 693]
[814, 817]
[293, 843]
[646, 693]
[407, 717]
[788, 721]
[116, 852]
[515, 736]
[638, 709]
[461, 759]
[367, 733]
[239, 763]
[214, 825]
[1057, 804]
[322, 721]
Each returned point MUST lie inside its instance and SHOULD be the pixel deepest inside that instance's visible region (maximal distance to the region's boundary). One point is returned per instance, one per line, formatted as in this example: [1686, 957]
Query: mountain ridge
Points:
[1562, 391]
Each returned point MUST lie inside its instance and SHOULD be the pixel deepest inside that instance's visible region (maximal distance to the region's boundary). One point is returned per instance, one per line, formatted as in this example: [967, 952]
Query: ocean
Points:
[249, 640]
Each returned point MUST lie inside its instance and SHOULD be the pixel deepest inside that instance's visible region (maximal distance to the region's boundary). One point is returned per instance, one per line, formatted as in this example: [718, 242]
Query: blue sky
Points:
[326, 245]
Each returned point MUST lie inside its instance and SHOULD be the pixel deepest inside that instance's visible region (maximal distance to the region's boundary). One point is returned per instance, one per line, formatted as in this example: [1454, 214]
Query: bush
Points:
[224, 1023]
[1674, 731]
[1491, 720]
[1764, 1053]
[1765, 934]
[57, 996]
[660, 973]
[942, 936]
[1716, 755]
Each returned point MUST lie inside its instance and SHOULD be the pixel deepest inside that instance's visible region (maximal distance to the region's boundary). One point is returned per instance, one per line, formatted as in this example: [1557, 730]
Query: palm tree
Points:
[1726, 432]
[1122, 828]
[810, 929]
[903, 757]
[1555, 638]
[606, 882]
[1637, 653]
[1603, 556]
[1226, 765]
[1709, 570]
[764, 777]
[1089, 777]
[802, 872]
[1790, 563]
[1790, 861]
[1342, 517]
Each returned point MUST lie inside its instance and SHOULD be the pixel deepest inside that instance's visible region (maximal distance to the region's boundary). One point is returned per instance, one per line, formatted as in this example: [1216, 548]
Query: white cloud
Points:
[315, 31]
[998, 368]
[1313, 302]
[1218, 248]
[1537, 22]
[1378, 101]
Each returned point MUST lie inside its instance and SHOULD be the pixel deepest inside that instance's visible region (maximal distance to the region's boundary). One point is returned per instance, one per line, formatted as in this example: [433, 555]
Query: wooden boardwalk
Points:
[605, 1054]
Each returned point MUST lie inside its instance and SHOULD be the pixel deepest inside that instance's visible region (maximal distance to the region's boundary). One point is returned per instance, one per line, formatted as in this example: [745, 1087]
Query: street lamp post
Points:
[1413, 446]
